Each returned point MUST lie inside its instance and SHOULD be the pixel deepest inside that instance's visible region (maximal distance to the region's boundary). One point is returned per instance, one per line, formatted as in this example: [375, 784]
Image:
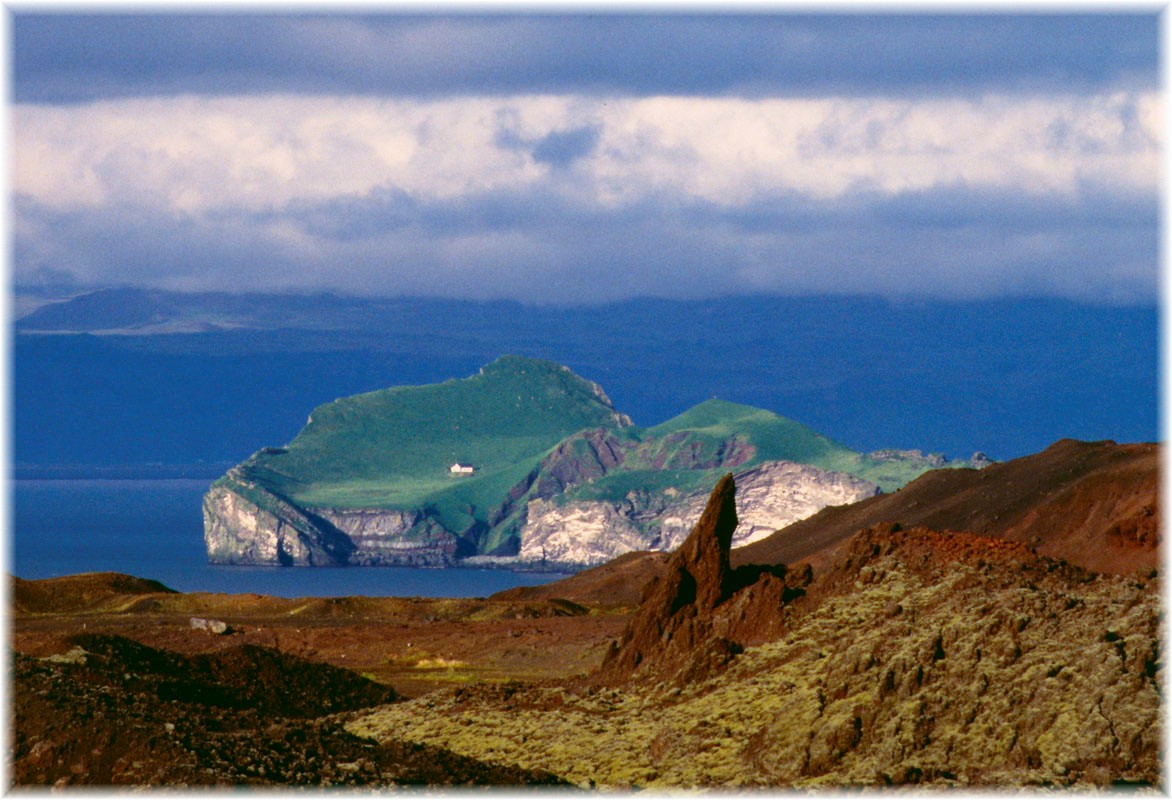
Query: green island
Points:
[465, 456]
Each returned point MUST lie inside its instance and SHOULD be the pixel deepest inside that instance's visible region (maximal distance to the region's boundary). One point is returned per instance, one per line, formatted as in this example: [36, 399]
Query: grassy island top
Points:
[394, 448]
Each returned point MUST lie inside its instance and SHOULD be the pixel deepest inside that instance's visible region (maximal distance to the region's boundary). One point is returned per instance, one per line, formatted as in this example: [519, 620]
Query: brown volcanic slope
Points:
[413, 644]
[619, 582]
[1094, 504]
[90, 590]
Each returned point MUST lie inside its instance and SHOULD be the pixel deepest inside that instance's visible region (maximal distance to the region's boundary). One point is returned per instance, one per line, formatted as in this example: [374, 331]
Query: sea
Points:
[154, 529]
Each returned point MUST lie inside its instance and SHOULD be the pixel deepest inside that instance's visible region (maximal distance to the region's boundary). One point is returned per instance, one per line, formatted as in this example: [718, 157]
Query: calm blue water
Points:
[154, 529]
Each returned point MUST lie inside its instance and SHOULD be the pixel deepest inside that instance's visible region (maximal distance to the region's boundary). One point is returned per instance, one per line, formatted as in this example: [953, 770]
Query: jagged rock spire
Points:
[704, 554]
[673, 628]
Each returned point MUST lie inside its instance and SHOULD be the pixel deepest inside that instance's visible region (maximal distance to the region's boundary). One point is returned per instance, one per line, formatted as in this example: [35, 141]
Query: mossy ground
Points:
[975, 676]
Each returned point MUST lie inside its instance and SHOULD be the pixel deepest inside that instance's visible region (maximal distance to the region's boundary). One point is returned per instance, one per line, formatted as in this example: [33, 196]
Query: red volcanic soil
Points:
[122, 713]
[87, 590]
[925, 551]
[1093, 504]
[116, 680]
[616, 583]
[114, 683]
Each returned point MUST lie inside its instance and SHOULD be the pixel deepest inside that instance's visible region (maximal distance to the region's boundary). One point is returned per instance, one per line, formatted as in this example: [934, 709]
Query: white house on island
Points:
[461, 469]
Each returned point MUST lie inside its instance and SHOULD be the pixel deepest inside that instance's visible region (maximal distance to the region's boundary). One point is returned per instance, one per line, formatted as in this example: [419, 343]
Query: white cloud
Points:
[193, 155]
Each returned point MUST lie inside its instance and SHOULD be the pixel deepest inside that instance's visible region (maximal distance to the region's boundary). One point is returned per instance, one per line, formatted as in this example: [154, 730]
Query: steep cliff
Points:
[245, 523]
[769, 497]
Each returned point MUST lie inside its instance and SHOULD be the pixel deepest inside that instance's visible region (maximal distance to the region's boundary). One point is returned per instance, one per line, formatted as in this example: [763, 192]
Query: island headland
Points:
[526, 465]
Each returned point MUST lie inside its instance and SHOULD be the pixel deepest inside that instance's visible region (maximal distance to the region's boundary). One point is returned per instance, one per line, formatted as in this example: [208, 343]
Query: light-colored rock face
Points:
[559, 535]
[768, 497]
[236, 531]
[372, 529]
[390, 537]
[577, 533]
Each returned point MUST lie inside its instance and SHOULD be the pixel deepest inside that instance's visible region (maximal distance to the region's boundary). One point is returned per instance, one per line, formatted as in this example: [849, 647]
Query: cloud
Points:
[192, 155]
[555, 148]
[70, 58]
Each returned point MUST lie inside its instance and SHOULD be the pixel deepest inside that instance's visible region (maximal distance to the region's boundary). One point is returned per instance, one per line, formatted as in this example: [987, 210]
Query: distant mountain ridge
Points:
[144, 312]
[560, 477]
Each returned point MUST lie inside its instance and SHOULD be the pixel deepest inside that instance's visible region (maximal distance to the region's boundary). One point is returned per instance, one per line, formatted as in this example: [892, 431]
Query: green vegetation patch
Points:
[774, 437]
[393, 448]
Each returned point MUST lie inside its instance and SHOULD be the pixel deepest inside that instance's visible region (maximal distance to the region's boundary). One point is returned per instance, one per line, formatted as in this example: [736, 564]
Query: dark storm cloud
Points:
[550, 158]
[76, 57]
[349, 218]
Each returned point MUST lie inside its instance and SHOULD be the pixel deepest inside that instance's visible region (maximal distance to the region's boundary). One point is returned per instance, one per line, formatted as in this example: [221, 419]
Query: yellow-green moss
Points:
[969, 678]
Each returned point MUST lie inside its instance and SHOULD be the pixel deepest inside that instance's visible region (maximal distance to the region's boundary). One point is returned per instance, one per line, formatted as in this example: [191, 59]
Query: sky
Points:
[560, 157]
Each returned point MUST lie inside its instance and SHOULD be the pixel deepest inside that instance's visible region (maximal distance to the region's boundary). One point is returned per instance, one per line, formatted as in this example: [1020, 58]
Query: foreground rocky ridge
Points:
[919, 656]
